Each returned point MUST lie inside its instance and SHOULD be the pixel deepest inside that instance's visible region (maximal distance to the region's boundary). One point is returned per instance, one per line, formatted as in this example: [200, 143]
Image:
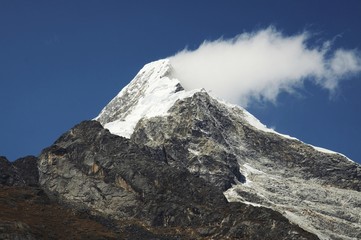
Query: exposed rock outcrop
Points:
[319, 191]
[22, 172]
[138, 183]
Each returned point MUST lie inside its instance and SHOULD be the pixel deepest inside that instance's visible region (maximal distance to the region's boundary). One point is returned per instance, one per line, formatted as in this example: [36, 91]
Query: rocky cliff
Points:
[22, 172]
[96, 185]
[319, 191]
[112, 176]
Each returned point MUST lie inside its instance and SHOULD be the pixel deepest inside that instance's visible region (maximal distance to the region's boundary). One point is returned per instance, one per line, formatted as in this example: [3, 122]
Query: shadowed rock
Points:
[90, 168]
[22, 172]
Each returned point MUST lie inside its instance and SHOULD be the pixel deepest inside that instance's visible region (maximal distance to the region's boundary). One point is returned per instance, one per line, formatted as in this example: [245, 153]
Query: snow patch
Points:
[247, 171]
[194, 152]
[152, 105]
[232, 196]
[252, 170]
[252, 120]
[303, 224]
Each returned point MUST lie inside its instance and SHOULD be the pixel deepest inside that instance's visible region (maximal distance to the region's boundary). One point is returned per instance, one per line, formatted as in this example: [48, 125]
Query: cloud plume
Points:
[260, 65]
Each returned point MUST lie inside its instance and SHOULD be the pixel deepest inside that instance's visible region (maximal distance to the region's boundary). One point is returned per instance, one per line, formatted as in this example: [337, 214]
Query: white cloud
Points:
[262, 64]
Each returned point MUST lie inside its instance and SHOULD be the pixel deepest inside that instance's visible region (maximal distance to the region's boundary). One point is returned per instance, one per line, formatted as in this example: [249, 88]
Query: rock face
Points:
[319, 191]
[22, 172]
[26, 212]
[231, 150]
[90, 168]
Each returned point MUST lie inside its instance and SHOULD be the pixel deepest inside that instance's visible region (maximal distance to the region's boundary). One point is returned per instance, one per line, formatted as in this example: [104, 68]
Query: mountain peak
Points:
[151, 93]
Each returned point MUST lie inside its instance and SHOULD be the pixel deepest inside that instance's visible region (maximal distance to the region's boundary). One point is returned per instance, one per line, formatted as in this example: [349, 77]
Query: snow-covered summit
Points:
[151, 93]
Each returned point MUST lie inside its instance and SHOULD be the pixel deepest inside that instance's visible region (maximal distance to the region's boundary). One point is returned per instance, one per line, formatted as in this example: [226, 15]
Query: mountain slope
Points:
[90, 168]
[230, 149]
[151, 93]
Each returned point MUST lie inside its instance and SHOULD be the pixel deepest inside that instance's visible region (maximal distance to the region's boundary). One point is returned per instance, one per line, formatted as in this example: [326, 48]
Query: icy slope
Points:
[151, 93]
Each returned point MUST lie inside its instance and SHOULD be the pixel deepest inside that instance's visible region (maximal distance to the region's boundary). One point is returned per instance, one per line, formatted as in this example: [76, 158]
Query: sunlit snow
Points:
[159, 95]
[156, 92]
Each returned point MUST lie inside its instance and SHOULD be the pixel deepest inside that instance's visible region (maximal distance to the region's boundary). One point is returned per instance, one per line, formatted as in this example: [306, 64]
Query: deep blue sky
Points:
[61, 62]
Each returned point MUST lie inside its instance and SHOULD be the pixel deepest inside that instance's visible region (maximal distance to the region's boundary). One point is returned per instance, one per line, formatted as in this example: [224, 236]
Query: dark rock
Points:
[5, 173]
[111, 176]
[217, 143]
[22, 172]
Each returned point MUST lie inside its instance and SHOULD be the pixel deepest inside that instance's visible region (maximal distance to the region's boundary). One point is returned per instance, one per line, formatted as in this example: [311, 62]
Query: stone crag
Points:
[90, 168]
[22, 172]
[320, 191]
[95, 185]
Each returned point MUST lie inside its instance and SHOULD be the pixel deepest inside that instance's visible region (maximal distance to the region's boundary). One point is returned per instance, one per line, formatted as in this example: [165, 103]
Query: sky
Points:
[61, 62]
